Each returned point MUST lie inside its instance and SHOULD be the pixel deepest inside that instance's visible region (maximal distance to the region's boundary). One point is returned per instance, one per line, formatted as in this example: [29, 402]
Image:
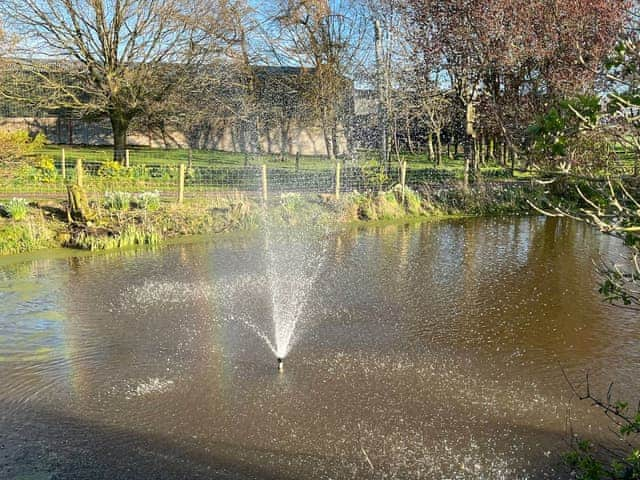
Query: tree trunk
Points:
[439, 148]
[491, 151]
[78, 209]
[476, 155]
[328, 143]
[408, 133]
[284, 138]
[119, 126]
[468, 158]
[334, 137]
[430, 147]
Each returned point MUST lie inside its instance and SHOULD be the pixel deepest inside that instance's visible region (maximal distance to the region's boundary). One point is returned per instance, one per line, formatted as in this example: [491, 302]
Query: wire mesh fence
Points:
[99, 177]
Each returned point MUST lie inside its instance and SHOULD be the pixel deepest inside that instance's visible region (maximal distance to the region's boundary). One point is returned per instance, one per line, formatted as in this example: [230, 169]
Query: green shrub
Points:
[412, 201]
[17, 208]
[42, 170]
[139, 172]
[163, 172]
[291, 202]
[363, 205]
[591, 462]
[117, 200]
[46, 170]
[388, 207]
[25, 174]
[147, 200]
[15, 146]
[110, 169]
[375, 175]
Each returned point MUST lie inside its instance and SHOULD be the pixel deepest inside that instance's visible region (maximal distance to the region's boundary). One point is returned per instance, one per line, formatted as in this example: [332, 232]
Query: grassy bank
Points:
[123, 220]
[46, 224]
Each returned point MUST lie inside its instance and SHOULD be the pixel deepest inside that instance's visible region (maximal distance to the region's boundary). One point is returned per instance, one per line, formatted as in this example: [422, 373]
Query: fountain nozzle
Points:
[280, 364]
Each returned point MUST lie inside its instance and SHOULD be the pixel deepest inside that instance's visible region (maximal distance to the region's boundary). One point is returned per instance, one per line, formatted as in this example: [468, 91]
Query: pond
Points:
[432, 350]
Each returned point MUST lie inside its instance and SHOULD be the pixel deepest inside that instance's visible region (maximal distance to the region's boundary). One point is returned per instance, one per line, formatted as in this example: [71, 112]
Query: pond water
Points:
[433, 350]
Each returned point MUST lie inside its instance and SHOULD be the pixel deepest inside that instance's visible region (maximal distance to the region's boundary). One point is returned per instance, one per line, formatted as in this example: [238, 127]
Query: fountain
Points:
[293, 259]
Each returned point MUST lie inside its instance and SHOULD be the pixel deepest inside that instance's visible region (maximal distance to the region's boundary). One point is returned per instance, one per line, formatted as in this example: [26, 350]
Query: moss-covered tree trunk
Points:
[78, 209]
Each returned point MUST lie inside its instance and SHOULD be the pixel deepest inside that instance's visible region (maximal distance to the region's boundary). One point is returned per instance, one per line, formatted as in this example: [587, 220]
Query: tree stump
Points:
[78, 209]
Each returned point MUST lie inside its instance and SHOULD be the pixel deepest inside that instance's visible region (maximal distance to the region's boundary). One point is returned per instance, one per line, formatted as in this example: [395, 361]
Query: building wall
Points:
[308, 140]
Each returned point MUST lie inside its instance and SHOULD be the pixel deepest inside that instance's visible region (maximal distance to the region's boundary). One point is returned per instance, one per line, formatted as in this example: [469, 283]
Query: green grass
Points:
[216, 158]
[200, 158]
[26, 236]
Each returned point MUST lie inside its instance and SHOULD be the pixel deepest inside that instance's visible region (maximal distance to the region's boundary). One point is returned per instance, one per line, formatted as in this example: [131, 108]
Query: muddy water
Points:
[423, 351]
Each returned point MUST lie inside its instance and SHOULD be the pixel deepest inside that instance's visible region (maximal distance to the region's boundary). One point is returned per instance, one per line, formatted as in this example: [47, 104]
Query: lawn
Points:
[200, 158]
[220, 159]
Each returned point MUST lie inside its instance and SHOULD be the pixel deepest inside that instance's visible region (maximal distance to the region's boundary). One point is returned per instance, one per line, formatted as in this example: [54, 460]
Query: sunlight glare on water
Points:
[424, 351]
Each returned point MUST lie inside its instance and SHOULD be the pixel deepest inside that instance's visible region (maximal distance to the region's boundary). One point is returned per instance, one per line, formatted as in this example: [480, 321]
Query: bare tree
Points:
[112, 58]
[324, 38]
[435, 106]
[3, 41]
[7, 44]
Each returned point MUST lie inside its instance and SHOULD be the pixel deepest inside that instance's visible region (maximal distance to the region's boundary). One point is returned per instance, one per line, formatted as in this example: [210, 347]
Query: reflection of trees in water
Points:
[532, 294]
[519, 281]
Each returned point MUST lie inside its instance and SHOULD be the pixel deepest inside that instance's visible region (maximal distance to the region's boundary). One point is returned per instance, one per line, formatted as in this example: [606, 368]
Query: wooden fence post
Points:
[338, 180]
[403, 177]
[181, 183]
[79, 173]
[265, 194]
[297, 161]
[126, 158]
[63, 165]
[190, 159]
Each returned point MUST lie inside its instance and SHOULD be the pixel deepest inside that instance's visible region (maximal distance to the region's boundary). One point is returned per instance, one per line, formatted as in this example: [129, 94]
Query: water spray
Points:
[280, 364]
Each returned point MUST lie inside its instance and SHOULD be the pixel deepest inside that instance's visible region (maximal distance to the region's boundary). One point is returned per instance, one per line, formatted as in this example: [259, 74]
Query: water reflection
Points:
[425, 351]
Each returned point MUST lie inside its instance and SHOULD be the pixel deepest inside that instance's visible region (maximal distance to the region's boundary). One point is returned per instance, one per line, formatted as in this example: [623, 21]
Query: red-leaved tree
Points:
[513, 57]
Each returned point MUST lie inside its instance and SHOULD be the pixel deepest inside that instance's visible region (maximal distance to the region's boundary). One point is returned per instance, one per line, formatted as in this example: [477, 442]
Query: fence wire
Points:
[101, 177]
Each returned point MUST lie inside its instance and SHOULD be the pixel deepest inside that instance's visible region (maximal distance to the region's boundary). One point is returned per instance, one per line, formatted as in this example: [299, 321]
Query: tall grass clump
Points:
[292, 204]
[481, 200]
[117, 200]
[24, 237]
[412, 200]
[147, 200]
[17, 208]
[131, 235]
